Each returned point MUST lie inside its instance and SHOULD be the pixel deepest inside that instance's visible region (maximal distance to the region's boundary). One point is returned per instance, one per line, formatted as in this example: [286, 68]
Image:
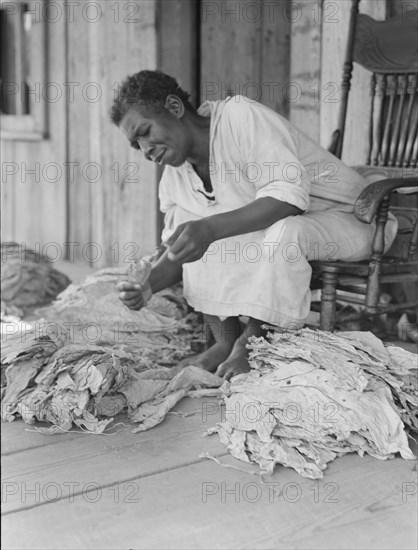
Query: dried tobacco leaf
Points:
[311, 397]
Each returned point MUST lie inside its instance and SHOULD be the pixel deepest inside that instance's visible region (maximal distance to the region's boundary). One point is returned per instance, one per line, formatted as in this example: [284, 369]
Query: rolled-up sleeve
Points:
[271, 153]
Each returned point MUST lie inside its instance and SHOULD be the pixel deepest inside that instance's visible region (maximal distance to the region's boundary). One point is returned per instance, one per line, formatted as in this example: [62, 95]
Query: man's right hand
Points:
[164, 273]
[130, 294]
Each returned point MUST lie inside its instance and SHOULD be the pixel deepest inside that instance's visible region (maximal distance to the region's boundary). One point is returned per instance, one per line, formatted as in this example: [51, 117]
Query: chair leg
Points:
[373, 280]
[328, 301]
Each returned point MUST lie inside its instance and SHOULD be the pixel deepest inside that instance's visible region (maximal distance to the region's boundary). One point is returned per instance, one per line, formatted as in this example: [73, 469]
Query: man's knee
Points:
[287, 240]
[290, 229]
[294, 241]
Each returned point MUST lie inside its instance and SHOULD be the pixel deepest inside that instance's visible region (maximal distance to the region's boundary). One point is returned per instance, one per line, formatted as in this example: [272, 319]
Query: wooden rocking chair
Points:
[388, 49]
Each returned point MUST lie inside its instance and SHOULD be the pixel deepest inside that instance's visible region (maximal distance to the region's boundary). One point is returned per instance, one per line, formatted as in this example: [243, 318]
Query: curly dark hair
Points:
[147, 90]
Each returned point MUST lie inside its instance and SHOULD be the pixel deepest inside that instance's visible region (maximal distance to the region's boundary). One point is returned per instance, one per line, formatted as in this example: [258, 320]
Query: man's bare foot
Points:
[237, 361]
[234, 365]
[225, 333]
[211, 358]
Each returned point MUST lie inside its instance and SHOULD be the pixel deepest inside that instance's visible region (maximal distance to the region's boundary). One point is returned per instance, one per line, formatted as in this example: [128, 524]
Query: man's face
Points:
[162, 136]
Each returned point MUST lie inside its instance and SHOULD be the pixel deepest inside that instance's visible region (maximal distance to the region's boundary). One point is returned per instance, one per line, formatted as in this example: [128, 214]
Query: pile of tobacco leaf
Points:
[28, 279]
[89, 358]
[312, 396]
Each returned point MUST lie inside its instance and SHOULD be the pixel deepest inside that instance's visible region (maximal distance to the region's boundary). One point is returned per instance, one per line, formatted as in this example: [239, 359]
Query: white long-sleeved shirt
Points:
[254, 152]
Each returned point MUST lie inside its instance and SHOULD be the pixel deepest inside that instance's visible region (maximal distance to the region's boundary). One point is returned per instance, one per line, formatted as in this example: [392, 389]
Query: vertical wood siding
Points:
[245, 50]
[113, 204]
[305, 67]
[33, 204]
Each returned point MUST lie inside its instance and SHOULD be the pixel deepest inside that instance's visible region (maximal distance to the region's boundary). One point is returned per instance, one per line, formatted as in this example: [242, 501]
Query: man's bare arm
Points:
[164, 273]
[191, 240]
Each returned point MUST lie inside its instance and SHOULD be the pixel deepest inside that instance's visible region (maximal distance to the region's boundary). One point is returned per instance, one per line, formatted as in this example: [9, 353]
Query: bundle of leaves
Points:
[312, 396]
[28, 279]
[90, 358]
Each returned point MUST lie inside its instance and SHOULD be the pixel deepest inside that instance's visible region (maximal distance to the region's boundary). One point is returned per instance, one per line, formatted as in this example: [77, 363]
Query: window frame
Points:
[32, 126]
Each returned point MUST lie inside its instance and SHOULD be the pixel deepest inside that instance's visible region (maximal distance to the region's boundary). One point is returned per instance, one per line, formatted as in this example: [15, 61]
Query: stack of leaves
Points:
[90, 358]
[92, 312]
[89, 386]
[28, 279]
[312, 396]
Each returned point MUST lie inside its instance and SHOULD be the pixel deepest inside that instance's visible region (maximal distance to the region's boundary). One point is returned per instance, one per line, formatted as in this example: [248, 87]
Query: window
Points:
[22, 70]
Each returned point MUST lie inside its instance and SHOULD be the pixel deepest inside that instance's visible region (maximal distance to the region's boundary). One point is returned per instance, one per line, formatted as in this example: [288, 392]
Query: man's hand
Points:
[130, 294]
[190, 241]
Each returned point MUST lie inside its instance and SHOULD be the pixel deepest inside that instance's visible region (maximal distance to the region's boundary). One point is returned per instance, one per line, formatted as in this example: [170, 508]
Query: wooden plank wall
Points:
[103, 208]
[33, 201]
[305, 67]
[289, 55]
[245, 48]
[178, 58]
[113, 198]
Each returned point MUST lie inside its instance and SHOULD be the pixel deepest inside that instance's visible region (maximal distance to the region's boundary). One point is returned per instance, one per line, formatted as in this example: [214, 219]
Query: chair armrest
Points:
[369, 199]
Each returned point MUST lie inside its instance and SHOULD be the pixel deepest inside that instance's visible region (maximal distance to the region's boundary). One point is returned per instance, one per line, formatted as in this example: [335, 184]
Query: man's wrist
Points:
[146, 292]
[213, 228]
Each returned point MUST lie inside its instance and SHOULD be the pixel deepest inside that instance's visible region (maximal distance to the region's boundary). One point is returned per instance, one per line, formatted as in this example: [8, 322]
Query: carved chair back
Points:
[388, 49]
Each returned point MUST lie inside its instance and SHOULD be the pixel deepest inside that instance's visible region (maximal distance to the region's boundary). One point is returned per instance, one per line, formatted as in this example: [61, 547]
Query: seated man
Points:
[249, 200]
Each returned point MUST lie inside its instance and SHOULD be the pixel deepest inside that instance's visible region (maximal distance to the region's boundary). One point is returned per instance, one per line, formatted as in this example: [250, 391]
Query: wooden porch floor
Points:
[151, 490]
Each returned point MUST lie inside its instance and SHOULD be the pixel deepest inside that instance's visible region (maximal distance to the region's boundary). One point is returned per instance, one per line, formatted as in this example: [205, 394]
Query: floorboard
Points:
[47, 470]
[361, 503]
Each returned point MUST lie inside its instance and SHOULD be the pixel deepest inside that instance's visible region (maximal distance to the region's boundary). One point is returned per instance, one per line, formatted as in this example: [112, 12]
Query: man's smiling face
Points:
[162, 136]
